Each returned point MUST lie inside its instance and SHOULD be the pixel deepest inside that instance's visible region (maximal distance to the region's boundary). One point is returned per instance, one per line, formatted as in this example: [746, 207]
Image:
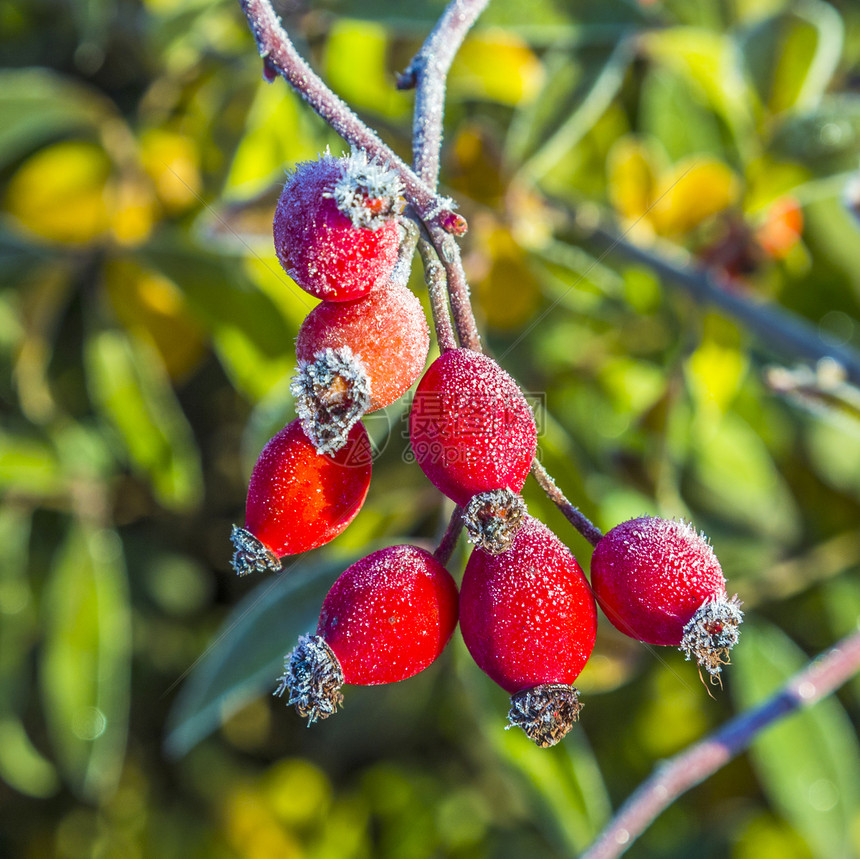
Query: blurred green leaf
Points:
[573, 99]
[711, 61]
[37, 105]
[85, 670]
[792, 57]
[826, 139]
[808, 764]
[246, 655]
[740, 479]
[132, 389]
[21, 765]
[29, 466]
[672, 112]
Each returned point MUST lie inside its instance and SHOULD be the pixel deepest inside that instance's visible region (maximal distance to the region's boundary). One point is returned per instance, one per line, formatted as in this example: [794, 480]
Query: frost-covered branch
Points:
[280, 56]
[677, 775]
[428, 72]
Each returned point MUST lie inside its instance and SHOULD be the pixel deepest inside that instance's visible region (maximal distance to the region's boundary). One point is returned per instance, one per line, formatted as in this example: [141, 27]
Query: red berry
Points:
[385, 619]
[335, 226]
[385, 330]
[529, 621]
[470, 426]
[659, 581]
[299, 499]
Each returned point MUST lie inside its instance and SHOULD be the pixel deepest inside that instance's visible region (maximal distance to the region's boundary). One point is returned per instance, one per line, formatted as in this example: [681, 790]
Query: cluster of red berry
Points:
[525, 609]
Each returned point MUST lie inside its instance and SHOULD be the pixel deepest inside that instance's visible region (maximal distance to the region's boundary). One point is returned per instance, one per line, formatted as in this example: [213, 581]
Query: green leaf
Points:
[809, 763]
[792, 57]
[85, 668]
[826, 140]
[572, 101]
[28, 465]
[21, 765]
[131, 388]
[710, 61]
[739, 477]
[37, 105]
[671, 111]
[247, 653]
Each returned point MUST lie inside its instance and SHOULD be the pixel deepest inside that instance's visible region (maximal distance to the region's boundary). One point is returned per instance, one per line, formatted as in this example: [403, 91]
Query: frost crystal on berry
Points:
[313, 677]
[546, 713]
[492, 518]
[711, 633]
[250, 555]
[366, 192]
[332, 392]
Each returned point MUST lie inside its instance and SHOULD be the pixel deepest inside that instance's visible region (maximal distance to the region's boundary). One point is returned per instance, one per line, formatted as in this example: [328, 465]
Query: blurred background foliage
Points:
[146, 337]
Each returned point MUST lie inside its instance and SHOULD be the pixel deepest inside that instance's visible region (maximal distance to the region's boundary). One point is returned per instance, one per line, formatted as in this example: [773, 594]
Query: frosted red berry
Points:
[335, 226]
[659, 581]
[386, 331]
[299, 499]
[386, 618]
[529, 620]
[470, 426]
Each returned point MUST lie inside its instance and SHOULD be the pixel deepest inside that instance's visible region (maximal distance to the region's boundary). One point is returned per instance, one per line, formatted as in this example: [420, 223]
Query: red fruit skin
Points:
[386, 329]
[470, 426]
[528, 616]
[389, 615]
[317, 244]
[299, 499]
[651, 575]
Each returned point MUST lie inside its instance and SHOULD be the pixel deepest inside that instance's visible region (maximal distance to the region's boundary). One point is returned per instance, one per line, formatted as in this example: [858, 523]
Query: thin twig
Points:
[779, 328]
[428, 72]
[434, 276]
[458, 287]
[280, 55]
[676, 776]
[573, 514]
[449, 539]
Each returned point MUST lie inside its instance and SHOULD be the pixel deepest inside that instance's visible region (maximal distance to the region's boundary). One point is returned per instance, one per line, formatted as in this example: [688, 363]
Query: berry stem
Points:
[458, 288]
[449, 539]
[677, 775]
[437, 282]
[427, 73]
[573, 514]
[280, 55]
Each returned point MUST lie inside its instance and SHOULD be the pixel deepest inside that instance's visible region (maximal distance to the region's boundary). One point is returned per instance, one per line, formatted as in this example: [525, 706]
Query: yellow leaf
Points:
[356, 63]
[62, 193]
[632, 178]
[172, 162]
[693, 191]
[506, 290]
[151, 306]
[497, 66]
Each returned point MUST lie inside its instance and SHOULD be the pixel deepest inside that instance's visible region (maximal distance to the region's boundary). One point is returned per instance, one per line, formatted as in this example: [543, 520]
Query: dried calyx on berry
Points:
[332, 392]
[386, 618]
[493, 518]
[313, 677]
[366, 192]
[659, 581]
[250, 555]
